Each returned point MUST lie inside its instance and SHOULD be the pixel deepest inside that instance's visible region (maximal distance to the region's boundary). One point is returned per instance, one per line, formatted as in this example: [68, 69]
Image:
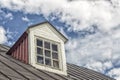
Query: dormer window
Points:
[47, 53]
[42, 46]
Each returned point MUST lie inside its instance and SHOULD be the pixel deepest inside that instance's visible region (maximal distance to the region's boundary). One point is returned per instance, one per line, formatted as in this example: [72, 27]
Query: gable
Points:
[48, 29]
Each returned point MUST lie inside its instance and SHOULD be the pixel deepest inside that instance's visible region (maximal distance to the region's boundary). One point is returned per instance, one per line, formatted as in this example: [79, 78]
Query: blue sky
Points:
[92, 27]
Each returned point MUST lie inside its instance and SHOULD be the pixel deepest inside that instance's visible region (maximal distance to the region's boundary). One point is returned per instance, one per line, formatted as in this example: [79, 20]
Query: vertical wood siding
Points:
[20, 49]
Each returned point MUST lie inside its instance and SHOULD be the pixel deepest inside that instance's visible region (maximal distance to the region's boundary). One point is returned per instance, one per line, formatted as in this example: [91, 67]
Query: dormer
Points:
[41, 46]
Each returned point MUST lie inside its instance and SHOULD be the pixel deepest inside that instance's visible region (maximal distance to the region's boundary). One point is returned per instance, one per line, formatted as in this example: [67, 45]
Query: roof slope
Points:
[12, 69]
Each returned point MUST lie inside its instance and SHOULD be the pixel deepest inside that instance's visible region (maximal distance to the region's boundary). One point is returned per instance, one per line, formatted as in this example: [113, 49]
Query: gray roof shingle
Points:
[12, 69]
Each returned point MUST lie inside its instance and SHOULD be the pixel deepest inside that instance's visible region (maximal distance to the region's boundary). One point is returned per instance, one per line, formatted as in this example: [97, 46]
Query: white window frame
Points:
[51, 42]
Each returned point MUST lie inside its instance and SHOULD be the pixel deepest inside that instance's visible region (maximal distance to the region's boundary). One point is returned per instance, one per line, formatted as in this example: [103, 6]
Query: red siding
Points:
[26, 49]
[17, 53]
[20, 49]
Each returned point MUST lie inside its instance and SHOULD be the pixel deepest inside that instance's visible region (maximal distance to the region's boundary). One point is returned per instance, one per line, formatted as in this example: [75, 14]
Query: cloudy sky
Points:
[92, 27]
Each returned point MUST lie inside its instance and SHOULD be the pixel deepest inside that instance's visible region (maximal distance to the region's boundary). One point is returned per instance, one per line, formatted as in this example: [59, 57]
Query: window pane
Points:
[40, 51]
[47, 45]
[39, 43]
[40, 59]
[47, 61]
[56, 64]
[54, 55]
[54, 47]
[47, 53]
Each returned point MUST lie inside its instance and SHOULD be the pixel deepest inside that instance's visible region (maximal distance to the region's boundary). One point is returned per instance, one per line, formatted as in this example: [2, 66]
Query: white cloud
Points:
[9, 16]
[25, 19]
[62, 31]
[3, 37]
[5, 16]
[10, 37]
[99, 52]
[115, 73]
[104, 13]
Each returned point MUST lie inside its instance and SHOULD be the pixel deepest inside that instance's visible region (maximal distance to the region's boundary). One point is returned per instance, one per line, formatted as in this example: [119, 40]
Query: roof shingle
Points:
[12, 69]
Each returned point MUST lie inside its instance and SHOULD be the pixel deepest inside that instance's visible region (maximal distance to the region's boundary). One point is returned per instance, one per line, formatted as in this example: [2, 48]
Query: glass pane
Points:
[47, 53]
[39, 43]
[40, 51]
[56, 64]
[40, 59]
[47, 61]
[54, 47]
[47, 45]
[54, 55]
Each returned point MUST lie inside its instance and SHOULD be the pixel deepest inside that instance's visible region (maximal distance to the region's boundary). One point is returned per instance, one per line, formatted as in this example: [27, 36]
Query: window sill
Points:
[48, 66]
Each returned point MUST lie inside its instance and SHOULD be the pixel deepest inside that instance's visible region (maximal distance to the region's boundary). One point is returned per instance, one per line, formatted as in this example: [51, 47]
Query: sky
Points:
[92, 27]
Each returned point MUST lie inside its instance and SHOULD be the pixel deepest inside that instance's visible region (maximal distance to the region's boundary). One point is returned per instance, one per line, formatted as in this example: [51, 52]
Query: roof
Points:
[52, 27]
[12, 69]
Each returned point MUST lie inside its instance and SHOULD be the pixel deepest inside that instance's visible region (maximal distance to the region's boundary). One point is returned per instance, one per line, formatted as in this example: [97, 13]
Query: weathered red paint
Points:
[20, 49]
[25, 51]
[17, 53]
